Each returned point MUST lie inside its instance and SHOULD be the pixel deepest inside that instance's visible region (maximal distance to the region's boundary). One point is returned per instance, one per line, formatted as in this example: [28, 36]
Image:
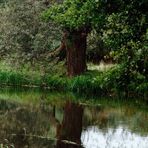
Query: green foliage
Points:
[76, 15]
[115, 81]
[30, 79]
[143, 89]
[24, 37]
[123, 79]
[16, 79]
[96, 48]
[125, 32]
[88, 85]
[55, 82]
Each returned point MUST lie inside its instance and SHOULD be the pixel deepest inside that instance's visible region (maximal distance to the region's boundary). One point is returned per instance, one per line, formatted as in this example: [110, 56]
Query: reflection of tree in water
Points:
[71, 127]
[96, 115]
[23, 124]
[111, 117]
[45, 120]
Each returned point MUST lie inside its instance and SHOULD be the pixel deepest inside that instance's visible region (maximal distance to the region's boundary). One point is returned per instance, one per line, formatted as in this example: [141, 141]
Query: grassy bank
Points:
[111, 82]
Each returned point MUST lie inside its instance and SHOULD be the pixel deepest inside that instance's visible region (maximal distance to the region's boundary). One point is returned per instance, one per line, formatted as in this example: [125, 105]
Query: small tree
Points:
[77, 18]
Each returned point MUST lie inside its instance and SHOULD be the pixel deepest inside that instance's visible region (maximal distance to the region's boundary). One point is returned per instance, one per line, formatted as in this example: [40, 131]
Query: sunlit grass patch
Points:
[100, 67]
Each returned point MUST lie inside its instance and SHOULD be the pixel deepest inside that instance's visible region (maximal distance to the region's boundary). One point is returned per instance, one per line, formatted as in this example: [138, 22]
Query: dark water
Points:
[33, 119]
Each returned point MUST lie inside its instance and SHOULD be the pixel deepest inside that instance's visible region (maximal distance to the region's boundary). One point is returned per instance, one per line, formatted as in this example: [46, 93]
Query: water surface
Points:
[35, 119]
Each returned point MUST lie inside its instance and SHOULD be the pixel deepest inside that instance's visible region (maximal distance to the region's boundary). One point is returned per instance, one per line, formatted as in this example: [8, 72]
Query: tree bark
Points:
[76, 44]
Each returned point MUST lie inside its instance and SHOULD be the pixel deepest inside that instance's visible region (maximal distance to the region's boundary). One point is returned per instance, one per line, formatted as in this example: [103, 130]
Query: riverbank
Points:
[112, 81]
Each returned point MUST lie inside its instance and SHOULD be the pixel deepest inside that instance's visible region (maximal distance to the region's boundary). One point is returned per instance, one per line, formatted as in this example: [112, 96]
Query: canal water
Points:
[37, 119]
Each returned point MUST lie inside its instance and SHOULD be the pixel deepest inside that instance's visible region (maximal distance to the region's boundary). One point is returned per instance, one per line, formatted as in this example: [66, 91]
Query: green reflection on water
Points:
[31, 118]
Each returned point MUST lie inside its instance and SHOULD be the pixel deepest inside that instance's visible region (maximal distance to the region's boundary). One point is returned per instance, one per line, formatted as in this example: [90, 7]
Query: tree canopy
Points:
[77, 14]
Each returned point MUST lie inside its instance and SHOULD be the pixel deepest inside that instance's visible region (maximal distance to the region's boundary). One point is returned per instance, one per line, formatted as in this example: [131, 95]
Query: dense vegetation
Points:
[112, 30]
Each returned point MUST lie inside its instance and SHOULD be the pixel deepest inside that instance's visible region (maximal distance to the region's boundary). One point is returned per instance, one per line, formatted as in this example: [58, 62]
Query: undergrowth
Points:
[115, 81]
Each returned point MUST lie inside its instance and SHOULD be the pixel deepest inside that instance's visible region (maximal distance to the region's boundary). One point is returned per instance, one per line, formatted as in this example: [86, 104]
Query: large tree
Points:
[120, 23]
[77, 18]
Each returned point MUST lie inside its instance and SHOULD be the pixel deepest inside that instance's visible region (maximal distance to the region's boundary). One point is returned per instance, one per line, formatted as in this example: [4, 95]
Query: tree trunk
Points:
[76, 52]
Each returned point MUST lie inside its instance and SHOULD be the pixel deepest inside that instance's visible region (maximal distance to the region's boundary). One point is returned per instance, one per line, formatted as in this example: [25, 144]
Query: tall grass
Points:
[87, 85]
[11, 78]
[96, 83]
[18, 79]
